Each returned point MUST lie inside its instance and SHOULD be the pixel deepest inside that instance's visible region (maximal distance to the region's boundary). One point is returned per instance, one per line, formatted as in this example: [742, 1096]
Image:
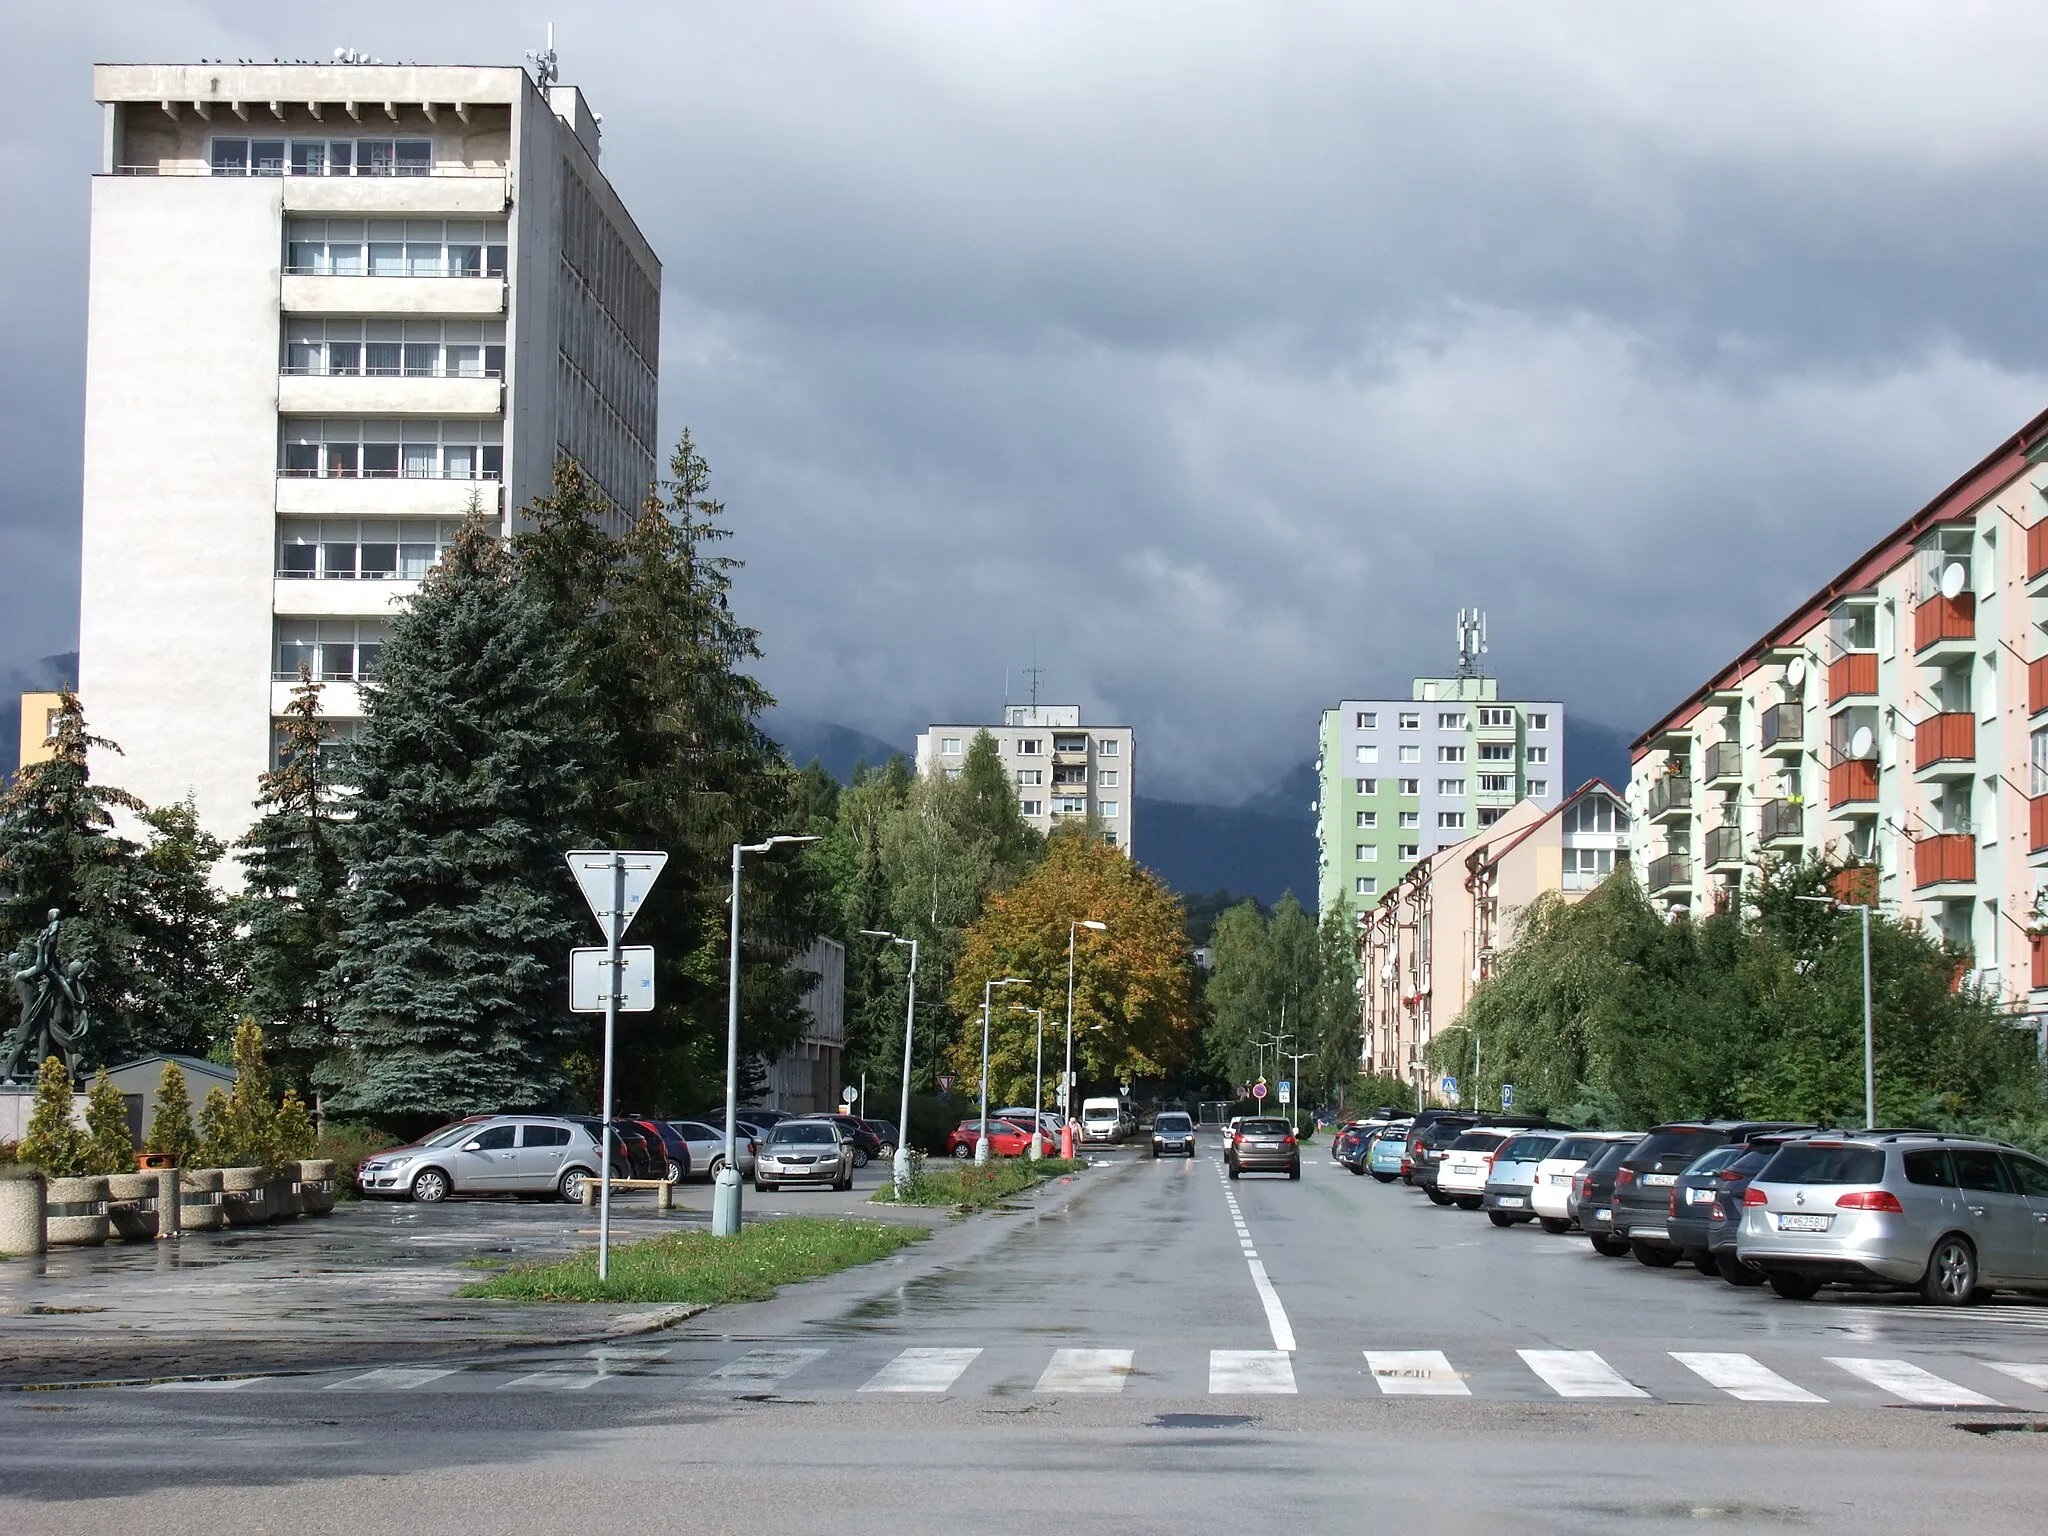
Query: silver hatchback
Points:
[487, 1155]
[1949, 1216]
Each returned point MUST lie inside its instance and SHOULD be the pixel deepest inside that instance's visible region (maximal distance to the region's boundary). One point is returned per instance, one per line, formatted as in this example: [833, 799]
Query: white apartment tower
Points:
[333, 308]
[1062, 769]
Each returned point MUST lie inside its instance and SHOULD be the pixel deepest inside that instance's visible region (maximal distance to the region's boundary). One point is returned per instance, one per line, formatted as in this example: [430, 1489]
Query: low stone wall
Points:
[38, 1213]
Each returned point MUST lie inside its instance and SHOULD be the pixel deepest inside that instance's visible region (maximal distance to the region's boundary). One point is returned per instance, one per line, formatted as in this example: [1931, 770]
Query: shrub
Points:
[215, 1148]
[55, 1142]
[292, 1131]
[170, 1128]
[111, 1145]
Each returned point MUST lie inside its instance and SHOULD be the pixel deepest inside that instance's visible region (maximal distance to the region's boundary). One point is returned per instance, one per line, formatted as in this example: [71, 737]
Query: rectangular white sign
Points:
[590, 974]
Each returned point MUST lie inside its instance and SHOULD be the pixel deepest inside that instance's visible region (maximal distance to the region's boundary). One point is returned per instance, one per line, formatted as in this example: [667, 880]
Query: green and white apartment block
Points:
[1401, 778]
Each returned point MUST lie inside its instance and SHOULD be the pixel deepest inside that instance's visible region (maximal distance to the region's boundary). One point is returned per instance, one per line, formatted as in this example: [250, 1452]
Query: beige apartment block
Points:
[1429, 942]
[1063, 770]
[334, 309]
[39, 712]
[1898, 717]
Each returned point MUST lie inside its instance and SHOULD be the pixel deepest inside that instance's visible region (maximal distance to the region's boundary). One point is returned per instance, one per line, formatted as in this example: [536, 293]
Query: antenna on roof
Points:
[1032, 675]
[546, 68]
[1471, 641]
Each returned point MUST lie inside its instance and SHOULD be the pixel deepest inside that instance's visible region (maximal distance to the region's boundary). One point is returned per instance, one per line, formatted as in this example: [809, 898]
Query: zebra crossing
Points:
[710, 1369]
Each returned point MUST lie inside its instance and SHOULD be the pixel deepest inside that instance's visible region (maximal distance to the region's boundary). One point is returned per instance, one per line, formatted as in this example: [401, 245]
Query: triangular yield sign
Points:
[592, 868]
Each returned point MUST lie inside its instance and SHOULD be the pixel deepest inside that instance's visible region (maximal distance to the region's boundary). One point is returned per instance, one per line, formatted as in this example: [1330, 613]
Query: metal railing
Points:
[1724, 761]
[1672, 871]
[1724, 846]
[1783, 819]
[1670, 794]
[281, 173]
[1784, 723]
[383, 373]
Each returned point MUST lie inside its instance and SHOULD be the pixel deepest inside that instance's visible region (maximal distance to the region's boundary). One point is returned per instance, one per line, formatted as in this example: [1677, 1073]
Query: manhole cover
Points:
[2009, 1427]
[1203, 1421]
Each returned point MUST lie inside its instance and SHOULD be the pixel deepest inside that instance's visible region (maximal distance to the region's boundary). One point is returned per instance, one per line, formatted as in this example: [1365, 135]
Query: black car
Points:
[1434, 1130]
[1696, 1194]
[884, 1134]
[1643, 1184]
[1347, 1147]
[1723, 1218]
[1592, 1198]
[866, 1144]
[675, 1152]
[636, 1153]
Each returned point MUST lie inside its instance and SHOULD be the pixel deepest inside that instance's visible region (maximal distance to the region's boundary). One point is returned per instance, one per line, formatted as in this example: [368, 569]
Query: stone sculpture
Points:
[53, 1015]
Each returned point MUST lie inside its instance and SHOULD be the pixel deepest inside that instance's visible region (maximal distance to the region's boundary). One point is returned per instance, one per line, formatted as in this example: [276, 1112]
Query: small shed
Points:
[138, 1081]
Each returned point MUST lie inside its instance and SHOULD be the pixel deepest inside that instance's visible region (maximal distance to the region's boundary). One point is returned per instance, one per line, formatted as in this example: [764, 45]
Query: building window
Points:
[1411, 754]
[1368, 819]
[1034, 807]
[949, 746]
[1107, 809]
[412, 349]
[1597, 813]
[366, 549]
[395, 248]
[1540, 721]
[1031, 777]
[390, 448]
[1367, 885]
[1411, 851]
[1368, 754]
[1496, 783]
[1108, 746]
[1109, 837]
[1450, 821]
[1450, 720]
[1368, 786]
[1539, 754]
[1411, 818]
[1496, 751]
[1069, 775]
[1450, 754]
[1069, 805]
[1585, 868]
[1070, 744]
[1367, 853]
[1029, 746]
[1450, 786]
[1491, 814]
[321, 157]
[1411, 720]
[1494, 718]
[329, 650]
[1538, 788]
[1408, 786]
[952, 773]
[1106, 777]
[1368, 719]
[2038, 756]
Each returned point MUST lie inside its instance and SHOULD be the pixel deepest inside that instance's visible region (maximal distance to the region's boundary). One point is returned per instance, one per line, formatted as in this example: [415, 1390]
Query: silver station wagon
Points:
[1952, 1217]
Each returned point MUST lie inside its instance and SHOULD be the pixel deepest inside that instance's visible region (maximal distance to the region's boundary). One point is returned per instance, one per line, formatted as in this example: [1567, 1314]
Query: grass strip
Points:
[967, 1187]
[695, 1266]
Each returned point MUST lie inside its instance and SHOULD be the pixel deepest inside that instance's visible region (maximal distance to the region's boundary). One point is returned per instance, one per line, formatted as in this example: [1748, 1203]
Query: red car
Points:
[1004, 1139]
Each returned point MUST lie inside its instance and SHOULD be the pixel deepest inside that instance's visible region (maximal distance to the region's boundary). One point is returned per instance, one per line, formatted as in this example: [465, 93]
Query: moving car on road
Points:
[1173, 1132]
[1550, 1192]
[1509, 1195]
[1102, 1120]
[805, 1152]
[489, 1155]
[1263, 1144]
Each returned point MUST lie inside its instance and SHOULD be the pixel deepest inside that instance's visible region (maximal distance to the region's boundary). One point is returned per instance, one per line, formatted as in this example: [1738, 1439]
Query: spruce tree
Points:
[110, 1146]
[465, 777]
[989, 811]
[180, 976]
[171, 1133]
[54, 1141]
[294, 874]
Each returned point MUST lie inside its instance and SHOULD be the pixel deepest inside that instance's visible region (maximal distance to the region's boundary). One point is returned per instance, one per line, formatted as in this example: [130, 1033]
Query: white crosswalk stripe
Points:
[1579, 1373]
[759, 1369]
[922, 1370]
[1251, 1371]
[1741, 1377]
[1087, 1370]
[207, 1384]
[1906, 1380]
[2032, 1375]
[1415, 1373]
[393, 1378]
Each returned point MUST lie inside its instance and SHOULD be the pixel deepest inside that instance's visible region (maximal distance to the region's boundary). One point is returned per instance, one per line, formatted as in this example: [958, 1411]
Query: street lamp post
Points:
[981, 1147]
[1067, 1106]
[725, 1196]
[1869, 1040]
[900, 1163]
[1037, 1081]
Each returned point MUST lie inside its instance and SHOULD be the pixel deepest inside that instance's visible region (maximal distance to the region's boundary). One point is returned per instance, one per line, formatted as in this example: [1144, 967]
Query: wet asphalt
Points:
[780, 1413]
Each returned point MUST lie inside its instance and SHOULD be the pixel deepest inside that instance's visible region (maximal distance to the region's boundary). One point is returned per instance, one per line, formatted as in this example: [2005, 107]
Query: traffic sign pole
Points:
[613, 932]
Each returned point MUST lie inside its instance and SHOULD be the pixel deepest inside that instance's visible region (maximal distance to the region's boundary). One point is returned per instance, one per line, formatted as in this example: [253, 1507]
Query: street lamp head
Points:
[808, 837]
[1089, 922]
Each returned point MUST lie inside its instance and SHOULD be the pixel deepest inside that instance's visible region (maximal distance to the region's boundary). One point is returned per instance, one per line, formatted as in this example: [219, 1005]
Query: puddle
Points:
[1203, 1421]
[2010, 1427]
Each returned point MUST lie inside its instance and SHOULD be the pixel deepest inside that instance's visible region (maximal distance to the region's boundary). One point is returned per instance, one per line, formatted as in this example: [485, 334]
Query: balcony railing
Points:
[1941, 618]
[2037, 950]
[1948, 738]
[2037, 686]
[1944, 858]
[1851, 781]
[1856, 886]
[1784, 725]
[1672, 872]
[1783, 820]
[1724, 846]
[1724, 761]
[1852, 676]
[1669, 795]
[2037, 824]
[2037, 550]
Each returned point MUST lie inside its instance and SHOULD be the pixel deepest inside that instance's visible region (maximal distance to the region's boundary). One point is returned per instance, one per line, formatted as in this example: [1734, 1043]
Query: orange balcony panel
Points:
[1947, 856]
[2037, 553]
[2037, 943]
[2037, 685]
[1852, 676]
[1852, 779]
[1948, 738]
[1941, 618]
[1856, 886]
[2037, 824]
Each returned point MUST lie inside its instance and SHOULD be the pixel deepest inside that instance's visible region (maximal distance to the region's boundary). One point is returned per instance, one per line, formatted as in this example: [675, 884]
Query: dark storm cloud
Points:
[1215, 355]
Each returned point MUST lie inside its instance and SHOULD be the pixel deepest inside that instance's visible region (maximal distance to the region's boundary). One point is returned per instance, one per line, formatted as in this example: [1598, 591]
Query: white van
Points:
[1102, 1120]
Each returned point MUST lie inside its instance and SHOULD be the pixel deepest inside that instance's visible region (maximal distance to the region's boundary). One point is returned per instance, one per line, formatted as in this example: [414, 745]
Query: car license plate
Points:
[1560, 1178]
[1699, 1197]
[1511, 1202]
[1660, 1180]
[1796, 1222]
[1603, 1215]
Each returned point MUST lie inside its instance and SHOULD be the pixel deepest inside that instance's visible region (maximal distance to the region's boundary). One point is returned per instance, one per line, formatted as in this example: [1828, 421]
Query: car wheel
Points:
[1951, 1278]
[1360, 1172]
[1155, 1154]
[763, 1185]
[1502, 1218]
[1608, 1247]
[1734, 1271]
[570, 1185]
[1703, 1261]
[675, 1171]
[1233, 1170]
[888, 1150]
[717, 1163]
[1794, 1287]
[843, 1184]
[1386, 1178]
[860, 1158]
[1468, 1202]
[430, 1187]
[1437, 1197]
[1294, 1172]
[1556, 1226]
[963, 1152]
[1654, 1256]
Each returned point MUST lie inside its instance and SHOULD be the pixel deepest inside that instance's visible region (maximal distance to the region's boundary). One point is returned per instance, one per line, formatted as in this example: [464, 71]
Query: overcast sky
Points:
[1215, 355]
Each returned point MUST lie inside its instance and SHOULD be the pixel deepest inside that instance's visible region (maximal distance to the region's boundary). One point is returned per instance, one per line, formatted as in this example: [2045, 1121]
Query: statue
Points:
[53, 1017]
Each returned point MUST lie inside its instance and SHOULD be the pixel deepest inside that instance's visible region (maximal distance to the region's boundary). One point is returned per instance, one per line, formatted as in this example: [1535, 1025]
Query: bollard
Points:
[170, 1203]
[21, 1212]
[665, 1197]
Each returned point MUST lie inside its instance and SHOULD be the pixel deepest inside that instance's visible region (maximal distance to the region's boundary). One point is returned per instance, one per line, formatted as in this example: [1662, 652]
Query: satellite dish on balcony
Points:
[1862, 742]
[1795, 673]
[1953, 576]
[1895, 818]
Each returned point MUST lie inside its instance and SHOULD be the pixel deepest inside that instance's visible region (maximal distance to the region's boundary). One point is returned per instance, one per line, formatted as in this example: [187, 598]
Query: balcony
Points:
[1724, 763]
[1947, 858]
[351, 296]
[1671, 799]
[2037, 953]
[340, 599]
[2037, 686]
[1945, 746]
[1856, 886]
[2037, 824]
[1724, 847]
[2037, 551]
[1853, 782]
[1784, 821]
[1942, 625]
[337, 496]
[1672, 872]
[1784, 730]
[482, 194]
[1852, 676]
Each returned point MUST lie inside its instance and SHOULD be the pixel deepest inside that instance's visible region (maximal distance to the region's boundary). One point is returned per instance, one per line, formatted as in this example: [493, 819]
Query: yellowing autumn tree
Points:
[1134, 1007]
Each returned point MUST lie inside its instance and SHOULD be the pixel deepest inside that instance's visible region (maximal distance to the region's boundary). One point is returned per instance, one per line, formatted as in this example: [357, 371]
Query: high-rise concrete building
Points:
[1062, 769]
[334, 308]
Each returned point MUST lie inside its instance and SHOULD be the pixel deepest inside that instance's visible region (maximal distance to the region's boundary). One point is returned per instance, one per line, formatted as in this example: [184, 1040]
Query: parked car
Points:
[1953, 1217]
[1550, 1192]
[1591, 1206]
[1462, 1171]
[636, 1152]
[1049, 1120]
[1433, 1132]
[707, 1146]
[1263, 1144]
[1004, 1139]
[1173, 1131]
[1348, 1146]
[885, 1136]
[805, 1152]
[865, 1143]
[1386, 1158]
[488, 1155]
[1643, 1183]
[1508, 1197]
[1724, 1217]
[1694, 1198]
[675, 1150]
[760, 1119]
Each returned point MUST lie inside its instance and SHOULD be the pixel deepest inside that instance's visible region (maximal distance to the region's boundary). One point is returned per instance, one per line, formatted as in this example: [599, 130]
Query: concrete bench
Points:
[664, 1190]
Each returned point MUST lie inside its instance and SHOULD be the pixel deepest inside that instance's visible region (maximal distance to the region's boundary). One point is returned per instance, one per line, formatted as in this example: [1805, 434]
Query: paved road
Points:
[1172, 1348]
